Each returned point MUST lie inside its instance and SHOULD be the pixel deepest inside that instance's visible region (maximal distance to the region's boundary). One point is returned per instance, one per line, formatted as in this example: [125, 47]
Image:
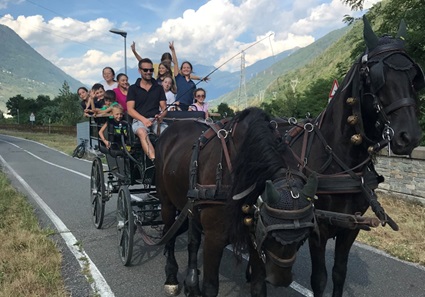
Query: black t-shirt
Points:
[146, 102]
[114, 130]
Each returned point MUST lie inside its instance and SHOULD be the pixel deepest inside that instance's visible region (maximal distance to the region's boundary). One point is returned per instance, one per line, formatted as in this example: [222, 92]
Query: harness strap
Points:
[404, 102]
[287, 214]
[226, 153]
[173, 229]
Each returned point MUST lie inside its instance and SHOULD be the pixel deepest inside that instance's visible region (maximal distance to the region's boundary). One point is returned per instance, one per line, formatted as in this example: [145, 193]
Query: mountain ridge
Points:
[26, 72]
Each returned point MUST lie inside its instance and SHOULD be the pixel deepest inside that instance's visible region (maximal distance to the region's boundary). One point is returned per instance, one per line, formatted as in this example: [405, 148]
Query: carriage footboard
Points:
[356, 221]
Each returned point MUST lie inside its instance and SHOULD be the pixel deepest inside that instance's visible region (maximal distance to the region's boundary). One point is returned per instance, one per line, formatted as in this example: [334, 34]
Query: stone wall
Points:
[404, 176]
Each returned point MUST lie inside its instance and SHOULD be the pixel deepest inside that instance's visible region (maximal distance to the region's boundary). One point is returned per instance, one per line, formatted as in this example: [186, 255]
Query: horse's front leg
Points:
[215, 240]
[258, 273]
[344, 241]
[319, 275]
[191, 282]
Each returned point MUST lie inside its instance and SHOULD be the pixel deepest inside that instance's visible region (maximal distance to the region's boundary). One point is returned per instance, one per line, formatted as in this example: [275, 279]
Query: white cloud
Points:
[210, 35]
[5, 3]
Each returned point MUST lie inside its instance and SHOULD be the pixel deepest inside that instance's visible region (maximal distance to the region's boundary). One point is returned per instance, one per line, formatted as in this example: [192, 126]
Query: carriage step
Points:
[144, 197]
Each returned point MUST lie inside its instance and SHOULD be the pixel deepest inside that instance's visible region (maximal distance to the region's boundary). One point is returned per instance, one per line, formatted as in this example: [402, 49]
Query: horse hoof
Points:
[172, 290]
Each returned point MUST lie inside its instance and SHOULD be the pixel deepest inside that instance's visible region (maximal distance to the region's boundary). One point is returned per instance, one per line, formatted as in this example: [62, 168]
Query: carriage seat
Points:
[172, 116]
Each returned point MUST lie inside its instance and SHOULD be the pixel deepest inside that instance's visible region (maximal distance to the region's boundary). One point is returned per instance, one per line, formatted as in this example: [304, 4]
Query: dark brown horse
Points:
[191, 165]
[375, 106]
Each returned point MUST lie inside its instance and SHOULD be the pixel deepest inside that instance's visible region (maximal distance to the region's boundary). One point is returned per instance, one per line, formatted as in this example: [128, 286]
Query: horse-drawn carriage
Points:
[250, 180]
[131, 175]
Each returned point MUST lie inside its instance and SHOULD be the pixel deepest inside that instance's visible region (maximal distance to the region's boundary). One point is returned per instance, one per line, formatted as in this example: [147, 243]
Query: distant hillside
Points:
[221, 82]
[24, 71]
[257, 86]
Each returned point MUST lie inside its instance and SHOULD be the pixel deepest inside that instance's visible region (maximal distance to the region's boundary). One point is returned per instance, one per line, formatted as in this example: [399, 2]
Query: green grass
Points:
[30, 263]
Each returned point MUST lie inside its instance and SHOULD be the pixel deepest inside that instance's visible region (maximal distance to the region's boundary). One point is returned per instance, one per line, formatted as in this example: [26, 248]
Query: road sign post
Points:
[32, 118]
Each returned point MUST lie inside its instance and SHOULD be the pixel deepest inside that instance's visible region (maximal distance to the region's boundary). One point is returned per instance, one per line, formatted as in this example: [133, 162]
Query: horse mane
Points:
[260, 156]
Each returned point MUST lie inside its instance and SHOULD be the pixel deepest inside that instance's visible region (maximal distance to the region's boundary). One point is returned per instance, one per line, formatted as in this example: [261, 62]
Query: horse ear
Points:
[310, 188]
[369, 36]
[270, 194]
[402, 30]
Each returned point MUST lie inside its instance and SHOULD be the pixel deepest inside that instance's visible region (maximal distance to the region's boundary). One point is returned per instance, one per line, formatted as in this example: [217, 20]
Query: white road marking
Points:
[99, 284]
[294, 285]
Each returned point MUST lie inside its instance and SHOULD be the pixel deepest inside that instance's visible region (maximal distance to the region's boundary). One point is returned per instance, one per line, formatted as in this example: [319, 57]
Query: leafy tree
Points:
[354, 4]
[14, 104]
[315, 98]
[225, 110]
[68, 104]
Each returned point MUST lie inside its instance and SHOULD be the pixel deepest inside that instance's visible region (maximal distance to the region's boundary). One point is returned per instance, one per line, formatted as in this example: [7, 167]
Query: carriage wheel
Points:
[97, 190]
[125, 225]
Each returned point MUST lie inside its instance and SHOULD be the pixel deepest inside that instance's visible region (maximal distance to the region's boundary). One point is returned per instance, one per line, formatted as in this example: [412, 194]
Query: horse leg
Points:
[319, 275]
[344, 241]
[171, 285]
[215, 240]
[258, 274]
[191, 282]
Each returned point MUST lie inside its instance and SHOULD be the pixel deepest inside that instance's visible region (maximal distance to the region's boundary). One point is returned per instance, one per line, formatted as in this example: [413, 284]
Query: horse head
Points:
[283, 219]
[383, 94]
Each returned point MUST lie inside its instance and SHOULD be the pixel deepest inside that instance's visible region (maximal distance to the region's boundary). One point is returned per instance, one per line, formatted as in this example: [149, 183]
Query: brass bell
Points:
[351, 101]
[353, 120]
[356, 139]
[246, 208]
[248, 221]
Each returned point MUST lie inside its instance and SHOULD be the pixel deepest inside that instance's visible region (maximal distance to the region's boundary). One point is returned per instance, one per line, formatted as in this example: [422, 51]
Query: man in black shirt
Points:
[146, 104]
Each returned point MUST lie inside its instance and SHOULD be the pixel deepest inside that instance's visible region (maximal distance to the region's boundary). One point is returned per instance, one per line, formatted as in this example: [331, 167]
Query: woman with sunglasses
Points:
[200, 104]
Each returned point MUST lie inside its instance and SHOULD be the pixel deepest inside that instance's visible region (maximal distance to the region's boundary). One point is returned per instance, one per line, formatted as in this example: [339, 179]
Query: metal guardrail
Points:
[56, 129]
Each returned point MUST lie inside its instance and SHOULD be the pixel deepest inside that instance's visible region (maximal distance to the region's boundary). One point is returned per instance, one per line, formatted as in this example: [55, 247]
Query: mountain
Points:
[24, 71]
[258, 81]
[221, 82]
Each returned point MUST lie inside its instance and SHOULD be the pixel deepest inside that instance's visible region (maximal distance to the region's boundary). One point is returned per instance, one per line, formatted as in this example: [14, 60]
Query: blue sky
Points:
[74, 34]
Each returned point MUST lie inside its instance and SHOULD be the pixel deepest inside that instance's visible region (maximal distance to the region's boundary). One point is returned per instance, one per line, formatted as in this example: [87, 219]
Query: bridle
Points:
[369, 81]
[267, 219]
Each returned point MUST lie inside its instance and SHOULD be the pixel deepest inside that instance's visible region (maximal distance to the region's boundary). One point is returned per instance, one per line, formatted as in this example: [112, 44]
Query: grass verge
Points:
[405, 244]
[63, 143]
[30, 263]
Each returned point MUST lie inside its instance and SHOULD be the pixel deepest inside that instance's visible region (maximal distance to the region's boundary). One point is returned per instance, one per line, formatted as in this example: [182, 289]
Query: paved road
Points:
[62, 183]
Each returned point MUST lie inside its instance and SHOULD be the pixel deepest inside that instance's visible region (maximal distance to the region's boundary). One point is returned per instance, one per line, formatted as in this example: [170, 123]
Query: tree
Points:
[225, 110]
[14, 104]
[315, 98]
[68, 104]
[354, 4]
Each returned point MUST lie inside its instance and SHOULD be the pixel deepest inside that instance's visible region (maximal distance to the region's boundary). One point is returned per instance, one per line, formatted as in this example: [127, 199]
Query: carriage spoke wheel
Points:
[97, 190]
[125, 225]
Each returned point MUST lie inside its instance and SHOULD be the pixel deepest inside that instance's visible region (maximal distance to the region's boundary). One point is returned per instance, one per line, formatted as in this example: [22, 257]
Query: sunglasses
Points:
[147, 69]
[200, 96]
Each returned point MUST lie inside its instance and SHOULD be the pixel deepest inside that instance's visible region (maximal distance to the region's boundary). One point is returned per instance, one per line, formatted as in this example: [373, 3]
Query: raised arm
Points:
[175, 61]
[133, 49]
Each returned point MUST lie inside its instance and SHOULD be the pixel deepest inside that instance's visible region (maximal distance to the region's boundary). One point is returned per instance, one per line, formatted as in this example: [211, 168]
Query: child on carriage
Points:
[114, 126]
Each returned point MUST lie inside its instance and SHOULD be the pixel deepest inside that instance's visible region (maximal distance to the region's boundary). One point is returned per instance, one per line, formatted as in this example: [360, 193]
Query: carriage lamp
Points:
[353, 120]
[356, 139]
[351, 101]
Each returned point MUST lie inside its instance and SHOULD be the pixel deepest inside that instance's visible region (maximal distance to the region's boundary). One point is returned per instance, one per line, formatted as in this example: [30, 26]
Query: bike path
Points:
[67, 194]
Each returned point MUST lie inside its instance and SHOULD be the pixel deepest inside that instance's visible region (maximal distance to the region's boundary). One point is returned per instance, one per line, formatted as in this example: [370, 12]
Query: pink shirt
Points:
[121, 98]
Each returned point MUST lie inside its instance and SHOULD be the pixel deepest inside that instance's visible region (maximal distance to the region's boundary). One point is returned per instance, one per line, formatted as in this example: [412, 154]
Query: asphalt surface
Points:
[63, 184]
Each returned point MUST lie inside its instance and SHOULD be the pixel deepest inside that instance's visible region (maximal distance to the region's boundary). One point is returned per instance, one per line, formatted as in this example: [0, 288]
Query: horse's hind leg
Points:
[171, 286]
[191, 282]
[344, 241]
[215, 240]
[319, 275]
